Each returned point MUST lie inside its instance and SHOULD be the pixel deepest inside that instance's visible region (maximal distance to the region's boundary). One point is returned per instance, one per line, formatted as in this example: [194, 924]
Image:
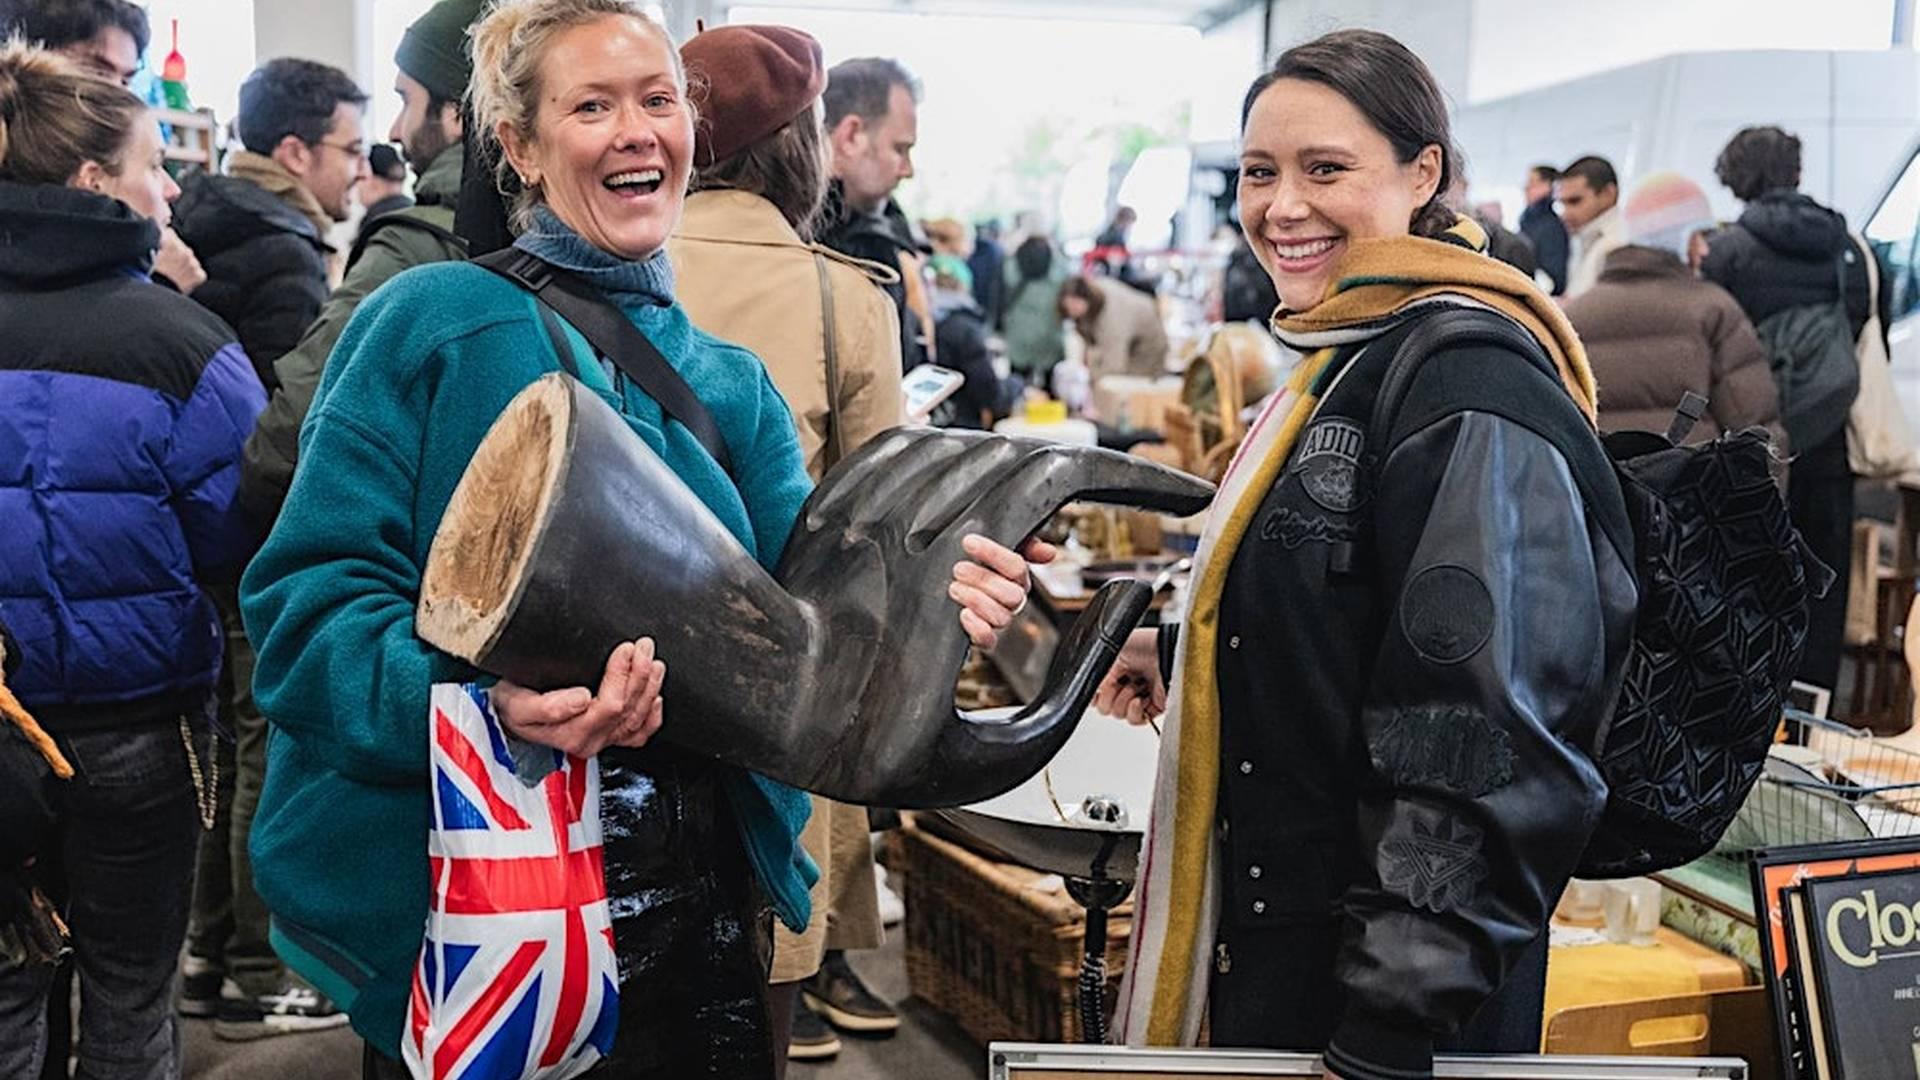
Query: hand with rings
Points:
[991, 585]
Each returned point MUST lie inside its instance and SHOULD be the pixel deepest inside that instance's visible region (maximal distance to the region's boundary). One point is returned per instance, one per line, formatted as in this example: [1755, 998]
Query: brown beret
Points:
[749, 82]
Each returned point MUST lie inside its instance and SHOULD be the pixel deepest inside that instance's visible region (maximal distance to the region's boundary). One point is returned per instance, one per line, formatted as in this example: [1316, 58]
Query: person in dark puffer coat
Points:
[1781, 254]
[123, 409]
[266, 264]
[1654, 332]
[960, 339]
[261, 230]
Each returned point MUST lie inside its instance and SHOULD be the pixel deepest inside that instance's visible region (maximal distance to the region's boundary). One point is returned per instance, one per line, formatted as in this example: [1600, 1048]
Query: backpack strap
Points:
[615, 338]
[1540, 404]
[402, 219]
[1692, 408]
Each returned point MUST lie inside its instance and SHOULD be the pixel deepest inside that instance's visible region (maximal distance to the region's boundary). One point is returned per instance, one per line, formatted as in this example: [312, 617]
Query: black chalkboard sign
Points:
[1864, 933]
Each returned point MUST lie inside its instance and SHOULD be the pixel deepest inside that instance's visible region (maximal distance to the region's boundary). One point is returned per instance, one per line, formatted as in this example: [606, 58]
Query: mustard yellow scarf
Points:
[1377, 283]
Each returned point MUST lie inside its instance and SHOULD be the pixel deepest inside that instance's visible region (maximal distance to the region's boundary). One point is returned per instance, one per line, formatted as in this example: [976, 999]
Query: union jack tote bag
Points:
[517, 978]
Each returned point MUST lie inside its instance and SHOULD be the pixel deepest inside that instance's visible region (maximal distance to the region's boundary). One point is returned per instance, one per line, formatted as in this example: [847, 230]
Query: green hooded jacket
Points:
[267, 467]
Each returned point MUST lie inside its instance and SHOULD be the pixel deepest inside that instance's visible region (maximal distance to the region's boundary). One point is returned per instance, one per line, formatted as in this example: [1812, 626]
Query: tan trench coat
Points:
[744, 275]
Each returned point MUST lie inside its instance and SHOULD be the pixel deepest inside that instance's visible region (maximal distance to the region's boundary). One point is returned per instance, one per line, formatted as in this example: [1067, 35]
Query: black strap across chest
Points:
[615, 338]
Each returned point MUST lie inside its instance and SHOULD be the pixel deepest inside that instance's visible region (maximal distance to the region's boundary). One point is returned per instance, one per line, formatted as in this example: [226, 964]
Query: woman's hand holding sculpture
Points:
[1133, 689]
[992, 587]
[626, 711]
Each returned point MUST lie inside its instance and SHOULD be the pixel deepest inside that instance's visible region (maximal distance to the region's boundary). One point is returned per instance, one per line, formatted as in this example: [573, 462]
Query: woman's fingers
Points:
[643, 731]
[1039, 551]
[1001, 560]
[982, 635]
[990, 612]
[519, 707]
[652, 684]
[1107, 692]
[1009, 594]
[617, 681]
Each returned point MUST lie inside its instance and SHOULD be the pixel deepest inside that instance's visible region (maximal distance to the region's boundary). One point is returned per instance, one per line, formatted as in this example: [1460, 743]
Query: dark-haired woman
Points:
[1402, 644]
[1787, 251]
[123, 408]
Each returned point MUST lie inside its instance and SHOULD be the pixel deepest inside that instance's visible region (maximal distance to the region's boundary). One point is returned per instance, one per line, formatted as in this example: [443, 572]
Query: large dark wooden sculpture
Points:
[567, 535]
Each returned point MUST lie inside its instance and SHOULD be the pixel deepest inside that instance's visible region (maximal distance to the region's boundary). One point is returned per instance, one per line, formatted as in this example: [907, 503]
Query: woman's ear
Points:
[1427, 168]
[519, 153]
[90, 176]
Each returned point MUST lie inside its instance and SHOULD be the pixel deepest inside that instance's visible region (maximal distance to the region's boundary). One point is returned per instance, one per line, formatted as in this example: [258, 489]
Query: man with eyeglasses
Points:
[261, 232]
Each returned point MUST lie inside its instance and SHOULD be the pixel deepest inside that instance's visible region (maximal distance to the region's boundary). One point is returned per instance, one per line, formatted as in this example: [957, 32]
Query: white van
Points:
[1893, 228]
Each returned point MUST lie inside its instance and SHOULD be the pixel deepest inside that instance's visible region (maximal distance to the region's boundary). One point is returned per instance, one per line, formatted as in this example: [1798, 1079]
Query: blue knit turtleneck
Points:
[625, 281]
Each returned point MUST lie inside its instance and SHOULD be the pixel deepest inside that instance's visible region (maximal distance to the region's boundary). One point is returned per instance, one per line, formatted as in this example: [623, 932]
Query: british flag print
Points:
[517, 978]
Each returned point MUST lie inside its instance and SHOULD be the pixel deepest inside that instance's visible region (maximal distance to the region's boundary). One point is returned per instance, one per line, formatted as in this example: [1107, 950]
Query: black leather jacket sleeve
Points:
[1485, 703]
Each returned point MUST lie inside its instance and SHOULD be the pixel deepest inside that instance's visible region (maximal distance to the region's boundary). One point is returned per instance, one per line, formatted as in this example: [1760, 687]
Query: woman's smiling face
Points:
[612, 141]
[1315, 176]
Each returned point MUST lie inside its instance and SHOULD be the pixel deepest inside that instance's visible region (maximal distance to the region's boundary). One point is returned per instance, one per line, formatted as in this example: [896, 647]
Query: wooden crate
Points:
[992, 945]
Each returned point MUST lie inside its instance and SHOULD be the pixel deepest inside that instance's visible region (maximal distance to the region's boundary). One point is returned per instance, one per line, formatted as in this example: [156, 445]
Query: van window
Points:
[1894, 231]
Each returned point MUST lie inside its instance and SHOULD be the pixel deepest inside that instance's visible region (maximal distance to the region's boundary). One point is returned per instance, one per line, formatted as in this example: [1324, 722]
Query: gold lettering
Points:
[1838, 942]
[1902, 936]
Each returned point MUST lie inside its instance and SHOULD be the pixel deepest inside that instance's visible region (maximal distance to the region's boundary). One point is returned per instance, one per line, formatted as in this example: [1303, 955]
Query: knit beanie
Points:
[748, 82]
[433, 51]
[1664, 211]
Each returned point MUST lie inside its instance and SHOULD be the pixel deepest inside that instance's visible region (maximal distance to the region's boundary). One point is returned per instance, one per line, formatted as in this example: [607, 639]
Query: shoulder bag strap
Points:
[1872, 325]
[837, 437]
[613, 336]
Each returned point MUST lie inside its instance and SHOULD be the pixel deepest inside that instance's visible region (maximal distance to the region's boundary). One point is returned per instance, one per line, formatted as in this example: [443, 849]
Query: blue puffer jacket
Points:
[123, 409]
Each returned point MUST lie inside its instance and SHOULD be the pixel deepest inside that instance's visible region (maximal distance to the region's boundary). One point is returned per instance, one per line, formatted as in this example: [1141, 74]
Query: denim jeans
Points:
[126, 848]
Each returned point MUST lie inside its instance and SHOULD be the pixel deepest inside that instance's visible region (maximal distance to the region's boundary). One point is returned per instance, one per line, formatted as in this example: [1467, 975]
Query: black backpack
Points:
[1810, 348]
[1725, 581]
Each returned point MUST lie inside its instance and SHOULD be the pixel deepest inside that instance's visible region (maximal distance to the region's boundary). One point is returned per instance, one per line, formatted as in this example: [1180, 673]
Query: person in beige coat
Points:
[1653, 331]
[747, 272]
[1120, 324]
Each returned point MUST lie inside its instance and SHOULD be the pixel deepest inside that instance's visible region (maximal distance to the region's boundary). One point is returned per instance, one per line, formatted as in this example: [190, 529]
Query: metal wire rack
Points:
[1826, 782]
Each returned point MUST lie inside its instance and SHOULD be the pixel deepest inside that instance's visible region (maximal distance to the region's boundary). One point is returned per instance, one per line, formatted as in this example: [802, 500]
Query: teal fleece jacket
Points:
[422, 370]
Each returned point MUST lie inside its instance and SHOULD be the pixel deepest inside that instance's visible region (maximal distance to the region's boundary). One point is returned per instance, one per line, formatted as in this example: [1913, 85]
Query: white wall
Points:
[1229, 62]
[1522, 44]
[338, 33]
[1440, 32]
[217, 39]
[1484, 49]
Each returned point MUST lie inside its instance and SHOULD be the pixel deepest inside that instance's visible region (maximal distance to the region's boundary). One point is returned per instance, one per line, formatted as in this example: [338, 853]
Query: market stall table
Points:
[1674, 964]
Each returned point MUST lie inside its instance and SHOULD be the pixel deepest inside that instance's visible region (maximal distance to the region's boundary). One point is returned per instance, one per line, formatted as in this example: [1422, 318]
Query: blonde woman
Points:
[587, 100]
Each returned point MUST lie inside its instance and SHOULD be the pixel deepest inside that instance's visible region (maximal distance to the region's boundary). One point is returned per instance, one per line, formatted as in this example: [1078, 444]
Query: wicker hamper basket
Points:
[993, 946]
